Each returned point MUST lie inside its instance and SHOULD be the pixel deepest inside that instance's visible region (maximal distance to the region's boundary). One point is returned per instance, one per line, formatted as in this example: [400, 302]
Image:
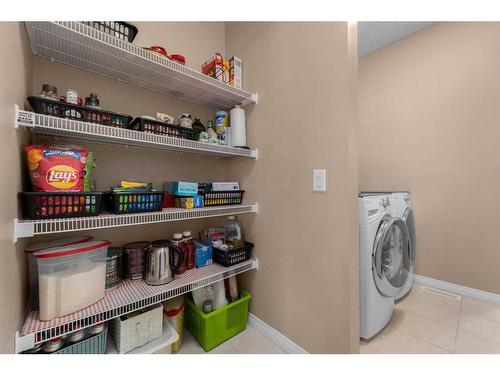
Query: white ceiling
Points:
[375, 35]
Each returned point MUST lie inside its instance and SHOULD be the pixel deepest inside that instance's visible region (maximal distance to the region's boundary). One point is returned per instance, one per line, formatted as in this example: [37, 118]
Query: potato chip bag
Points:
[53, 169]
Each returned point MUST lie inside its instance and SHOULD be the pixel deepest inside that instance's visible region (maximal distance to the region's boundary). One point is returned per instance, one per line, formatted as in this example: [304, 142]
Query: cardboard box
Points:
[217, 68]
[224, 186]
[203, 254]
[236, 72]
[184, 202]
[181, 188]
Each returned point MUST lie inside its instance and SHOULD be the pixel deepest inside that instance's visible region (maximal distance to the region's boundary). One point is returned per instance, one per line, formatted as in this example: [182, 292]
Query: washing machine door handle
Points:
[391, 262]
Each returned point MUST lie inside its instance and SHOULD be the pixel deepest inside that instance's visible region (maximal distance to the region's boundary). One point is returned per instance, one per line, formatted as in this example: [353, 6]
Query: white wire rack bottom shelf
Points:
[30, 228]
[95, 133]
[87, 48]
[128, 297]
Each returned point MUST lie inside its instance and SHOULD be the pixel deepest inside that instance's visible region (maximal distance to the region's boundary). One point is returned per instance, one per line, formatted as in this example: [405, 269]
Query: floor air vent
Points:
[442, 293]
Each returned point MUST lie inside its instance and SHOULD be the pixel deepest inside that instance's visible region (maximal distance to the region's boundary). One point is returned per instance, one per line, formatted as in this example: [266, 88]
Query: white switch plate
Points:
[319, 180]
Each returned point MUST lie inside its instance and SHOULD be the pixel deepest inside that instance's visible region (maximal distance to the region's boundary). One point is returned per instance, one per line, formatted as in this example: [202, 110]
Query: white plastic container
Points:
[71, 278]
[33, 264]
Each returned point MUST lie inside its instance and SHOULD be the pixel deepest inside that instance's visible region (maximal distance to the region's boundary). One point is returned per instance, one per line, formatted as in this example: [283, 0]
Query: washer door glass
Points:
[391, 259]
[409, 219]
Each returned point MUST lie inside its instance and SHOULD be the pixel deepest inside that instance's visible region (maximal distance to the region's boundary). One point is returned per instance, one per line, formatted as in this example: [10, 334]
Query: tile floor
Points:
[250, 341]
[430, 323]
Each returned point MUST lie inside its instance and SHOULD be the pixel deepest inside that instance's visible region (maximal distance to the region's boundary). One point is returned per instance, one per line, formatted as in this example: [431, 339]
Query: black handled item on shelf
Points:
[78, 112]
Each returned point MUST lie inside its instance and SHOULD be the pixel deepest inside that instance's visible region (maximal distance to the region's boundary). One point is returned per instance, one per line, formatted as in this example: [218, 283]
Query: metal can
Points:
[221, 122]
[53, 345]
[94, 330]
[77, 336]
[113, 267]
[72, 96]
[36, 349]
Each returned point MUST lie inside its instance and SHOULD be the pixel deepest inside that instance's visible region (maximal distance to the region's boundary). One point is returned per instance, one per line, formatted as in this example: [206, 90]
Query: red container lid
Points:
[58, 242]
[61, 251]
[179, 58]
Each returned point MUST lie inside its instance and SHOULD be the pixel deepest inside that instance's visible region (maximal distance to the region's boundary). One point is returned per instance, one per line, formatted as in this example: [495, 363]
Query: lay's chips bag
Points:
[53, 169]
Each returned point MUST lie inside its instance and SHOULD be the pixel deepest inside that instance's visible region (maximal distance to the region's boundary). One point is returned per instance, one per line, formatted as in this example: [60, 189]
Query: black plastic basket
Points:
[78, 112]
[55, 205]
[134, 202]
[161, 128]
[222, 198]
[231, 257]
[122, 30]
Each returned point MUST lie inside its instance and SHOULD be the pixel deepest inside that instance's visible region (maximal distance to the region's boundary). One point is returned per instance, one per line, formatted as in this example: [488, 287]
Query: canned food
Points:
[72, 96]
[53, 345]
[76, 337]
[94, 330]
[36, 349]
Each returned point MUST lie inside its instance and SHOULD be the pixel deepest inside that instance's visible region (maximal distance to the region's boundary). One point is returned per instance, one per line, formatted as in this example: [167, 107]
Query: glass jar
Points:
[49, 92]
[233, 234]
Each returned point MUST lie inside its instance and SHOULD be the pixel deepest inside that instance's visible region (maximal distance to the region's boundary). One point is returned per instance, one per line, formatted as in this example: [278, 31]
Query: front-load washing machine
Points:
[384, 261]
[402, 209]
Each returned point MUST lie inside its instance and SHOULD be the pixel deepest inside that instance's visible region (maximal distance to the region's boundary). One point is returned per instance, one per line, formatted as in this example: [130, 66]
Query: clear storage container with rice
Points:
[71, 278]
[33, 264]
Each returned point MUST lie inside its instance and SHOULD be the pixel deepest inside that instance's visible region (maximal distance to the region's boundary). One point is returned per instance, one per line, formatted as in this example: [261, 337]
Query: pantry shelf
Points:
[84, 47]
[96, 133]
[30, 228]
[128, 297]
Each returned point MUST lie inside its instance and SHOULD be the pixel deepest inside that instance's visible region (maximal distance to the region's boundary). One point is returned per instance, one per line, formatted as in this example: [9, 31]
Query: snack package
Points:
[54, 169]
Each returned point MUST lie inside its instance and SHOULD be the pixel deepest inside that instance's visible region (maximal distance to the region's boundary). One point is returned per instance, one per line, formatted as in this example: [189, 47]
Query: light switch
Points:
[319, 180]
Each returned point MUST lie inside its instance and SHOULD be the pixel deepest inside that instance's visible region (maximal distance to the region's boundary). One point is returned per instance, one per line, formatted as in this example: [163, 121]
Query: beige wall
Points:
[306, 286]
[429, 123]
[15, 83]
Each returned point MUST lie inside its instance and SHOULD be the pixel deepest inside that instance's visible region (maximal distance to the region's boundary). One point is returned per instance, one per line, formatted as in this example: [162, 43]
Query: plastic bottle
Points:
[210, 130]
[177, 241]
[233, 233]
[189, 244]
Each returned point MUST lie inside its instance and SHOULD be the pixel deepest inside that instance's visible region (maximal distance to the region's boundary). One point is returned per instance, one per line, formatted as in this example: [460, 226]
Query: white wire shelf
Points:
[95, 133]
[30, 228]
[84, 47]
[128, 297]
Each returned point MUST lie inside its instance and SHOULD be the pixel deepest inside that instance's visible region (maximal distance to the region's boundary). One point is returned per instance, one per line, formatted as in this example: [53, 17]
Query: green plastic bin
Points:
[211, 330]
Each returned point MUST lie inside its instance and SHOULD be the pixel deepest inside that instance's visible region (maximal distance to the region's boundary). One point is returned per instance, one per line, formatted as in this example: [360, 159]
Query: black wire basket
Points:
[134, 202]
[119, 29]
[161, 128]
[222, 198]
[228, 258]
[78, 112]
[56, 205]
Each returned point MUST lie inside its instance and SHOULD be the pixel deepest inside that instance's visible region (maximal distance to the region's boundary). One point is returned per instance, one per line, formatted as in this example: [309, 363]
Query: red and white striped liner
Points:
[129, 296]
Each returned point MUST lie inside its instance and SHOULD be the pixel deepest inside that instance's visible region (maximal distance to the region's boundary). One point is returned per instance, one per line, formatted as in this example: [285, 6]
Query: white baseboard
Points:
[275, 336]
[458, 289]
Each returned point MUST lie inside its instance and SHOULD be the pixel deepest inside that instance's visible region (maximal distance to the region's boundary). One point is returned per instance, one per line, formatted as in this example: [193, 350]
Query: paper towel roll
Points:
[238, 127]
